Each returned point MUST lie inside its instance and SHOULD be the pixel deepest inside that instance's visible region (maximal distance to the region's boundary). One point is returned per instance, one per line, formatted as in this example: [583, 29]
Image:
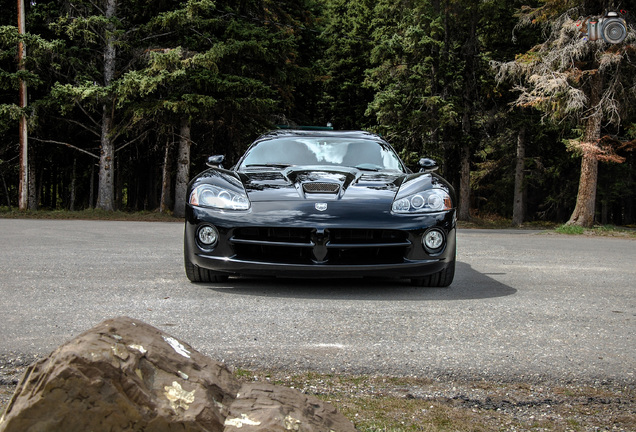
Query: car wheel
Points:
[198, 274]
[441, 279]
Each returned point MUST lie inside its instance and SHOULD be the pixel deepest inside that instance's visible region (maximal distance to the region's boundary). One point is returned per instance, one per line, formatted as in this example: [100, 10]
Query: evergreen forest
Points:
[122, 101]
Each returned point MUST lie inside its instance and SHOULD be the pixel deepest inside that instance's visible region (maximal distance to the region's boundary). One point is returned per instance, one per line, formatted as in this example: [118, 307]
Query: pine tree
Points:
[109, 28]
[39, 56]
[426, 81]
[228, 64]
[348, 35]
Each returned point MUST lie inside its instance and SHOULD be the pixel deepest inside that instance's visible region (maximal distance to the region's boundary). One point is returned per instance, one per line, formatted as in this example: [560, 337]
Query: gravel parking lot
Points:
[526, 306]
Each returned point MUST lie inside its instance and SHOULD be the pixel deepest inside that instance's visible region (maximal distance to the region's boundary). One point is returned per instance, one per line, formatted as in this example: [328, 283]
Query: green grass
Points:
[570, 229]
[601, 230]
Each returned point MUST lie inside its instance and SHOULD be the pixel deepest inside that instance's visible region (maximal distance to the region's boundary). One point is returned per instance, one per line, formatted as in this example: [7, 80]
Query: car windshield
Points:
[359, 153]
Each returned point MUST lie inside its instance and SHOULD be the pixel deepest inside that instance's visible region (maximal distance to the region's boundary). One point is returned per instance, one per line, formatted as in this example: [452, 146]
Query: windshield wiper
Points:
[368, 167]
[268, 165]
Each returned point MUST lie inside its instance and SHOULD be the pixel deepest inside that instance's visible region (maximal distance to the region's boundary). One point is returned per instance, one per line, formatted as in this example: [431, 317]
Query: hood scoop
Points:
[321, 187]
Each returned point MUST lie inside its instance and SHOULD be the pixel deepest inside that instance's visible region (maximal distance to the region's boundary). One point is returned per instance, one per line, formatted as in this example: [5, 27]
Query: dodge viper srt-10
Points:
[307, 203]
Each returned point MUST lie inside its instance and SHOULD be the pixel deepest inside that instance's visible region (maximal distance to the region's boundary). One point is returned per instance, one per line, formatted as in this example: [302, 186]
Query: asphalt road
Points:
[525, 305]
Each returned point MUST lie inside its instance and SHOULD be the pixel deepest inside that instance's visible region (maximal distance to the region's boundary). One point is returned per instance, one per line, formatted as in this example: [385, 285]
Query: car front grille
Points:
[319, 187]
[314, 246]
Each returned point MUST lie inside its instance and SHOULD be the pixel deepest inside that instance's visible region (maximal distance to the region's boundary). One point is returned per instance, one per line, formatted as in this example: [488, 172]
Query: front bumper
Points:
[296, 240]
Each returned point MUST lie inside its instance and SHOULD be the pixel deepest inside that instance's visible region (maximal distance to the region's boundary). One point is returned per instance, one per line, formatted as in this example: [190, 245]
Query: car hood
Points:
[320, 183]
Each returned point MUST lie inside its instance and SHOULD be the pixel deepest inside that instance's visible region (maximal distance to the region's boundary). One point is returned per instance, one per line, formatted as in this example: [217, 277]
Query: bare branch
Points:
[554, 75]
[156, 36]
[143, 135]
[182, 137]
[96, 6]
[201, 34]
[80, 124]
[67, 145]
[95, 122]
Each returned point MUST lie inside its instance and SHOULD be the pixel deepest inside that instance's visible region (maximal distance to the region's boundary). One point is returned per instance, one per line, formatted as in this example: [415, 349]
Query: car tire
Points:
[441, 279]
[198, 274]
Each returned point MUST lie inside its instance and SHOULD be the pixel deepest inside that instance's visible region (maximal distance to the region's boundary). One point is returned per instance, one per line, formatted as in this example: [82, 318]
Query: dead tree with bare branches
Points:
[570, 78]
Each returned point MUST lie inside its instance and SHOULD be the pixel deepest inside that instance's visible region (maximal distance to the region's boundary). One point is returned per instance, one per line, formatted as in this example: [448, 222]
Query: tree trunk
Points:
[6, 191]
[435, 67]
[469, 53]
[583, 214]
[605, 210]
[518, 205]
[46, 188]
[34, 196]
[23, 186]
[183, 169]
[105, 193]
[91, 195]
[119, 185]
[73, 191]
[464, 184]
[628, 204]
[166, 184]
[105, 188]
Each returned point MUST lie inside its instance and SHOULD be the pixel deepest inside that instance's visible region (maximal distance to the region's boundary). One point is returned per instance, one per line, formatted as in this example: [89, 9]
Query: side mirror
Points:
[215, 161]
[428, 165]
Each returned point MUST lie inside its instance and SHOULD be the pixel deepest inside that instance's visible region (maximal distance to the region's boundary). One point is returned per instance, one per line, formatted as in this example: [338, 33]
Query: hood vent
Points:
[318, 187]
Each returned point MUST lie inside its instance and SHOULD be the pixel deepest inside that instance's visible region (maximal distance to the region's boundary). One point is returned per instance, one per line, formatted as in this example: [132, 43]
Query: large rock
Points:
[125, 375]
[265, 407]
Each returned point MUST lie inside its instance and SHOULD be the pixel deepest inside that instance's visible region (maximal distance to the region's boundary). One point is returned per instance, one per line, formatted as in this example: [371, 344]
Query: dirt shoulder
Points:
[414, 404]
[380, 403]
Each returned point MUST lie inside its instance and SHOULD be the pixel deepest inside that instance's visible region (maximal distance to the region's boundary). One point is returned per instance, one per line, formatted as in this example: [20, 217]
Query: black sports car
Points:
[303, 203]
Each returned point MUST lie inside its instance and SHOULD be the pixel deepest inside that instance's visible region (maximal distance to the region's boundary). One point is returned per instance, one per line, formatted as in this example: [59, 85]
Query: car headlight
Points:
[217, 197]
[432, 200]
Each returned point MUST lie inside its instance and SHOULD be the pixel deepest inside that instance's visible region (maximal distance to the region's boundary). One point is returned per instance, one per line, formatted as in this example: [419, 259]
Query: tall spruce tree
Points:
[426, 81]
[410, 104]
[220, 63]
[101, 46]
[348, 35]
[39, 58]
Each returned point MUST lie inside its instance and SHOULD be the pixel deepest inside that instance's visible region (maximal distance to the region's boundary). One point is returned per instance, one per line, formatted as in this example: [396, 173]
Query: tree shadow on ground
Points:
[468, 284]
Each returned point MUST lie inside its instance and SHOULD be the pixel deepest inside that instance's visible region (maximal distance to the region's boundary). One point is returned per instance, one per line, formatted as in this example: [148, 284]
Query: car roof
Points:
[293, 133]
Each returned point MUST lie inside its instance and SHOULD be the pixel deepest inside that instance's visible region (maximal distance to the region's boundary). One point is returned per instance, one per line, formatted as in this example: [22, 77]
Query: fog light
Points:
[208, 236]
[433, 241]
